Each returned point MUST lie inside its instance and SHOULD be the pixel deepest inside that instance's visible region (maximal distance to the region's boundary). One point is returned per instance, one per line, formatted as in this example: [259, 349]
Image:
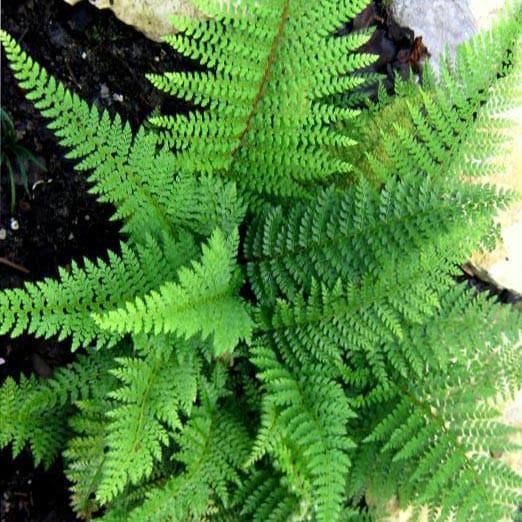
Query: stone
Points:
[503, 266]
[441, 23]
[485, 11]
[151, 17]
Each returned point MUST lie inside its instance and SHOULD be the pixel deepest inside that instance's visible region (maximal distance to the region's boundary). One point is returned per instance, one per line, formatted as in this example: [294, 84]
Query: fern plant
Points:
[280, 334]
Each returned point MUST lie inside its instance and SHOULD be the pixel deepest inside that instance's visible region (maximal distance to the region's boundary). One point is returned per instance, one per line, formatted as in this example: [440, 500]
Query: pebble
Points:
[104, 91]
[3, 234]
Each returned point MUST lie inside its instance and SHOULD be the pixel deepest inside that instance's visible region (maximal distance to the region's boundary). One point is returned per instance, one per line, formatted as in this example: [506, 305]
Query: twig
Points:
[6, 262]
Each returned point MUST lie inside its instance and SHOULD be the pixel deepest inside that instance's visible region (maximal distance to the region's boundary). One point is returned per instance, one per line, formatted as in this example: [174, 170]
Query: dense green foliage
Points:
[281, 333]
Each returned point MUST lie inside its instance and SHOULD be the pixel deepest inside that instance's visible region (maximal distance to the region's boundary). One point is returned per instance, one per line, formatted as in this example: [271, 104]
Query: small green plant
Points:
[280, 333]
[13, 156]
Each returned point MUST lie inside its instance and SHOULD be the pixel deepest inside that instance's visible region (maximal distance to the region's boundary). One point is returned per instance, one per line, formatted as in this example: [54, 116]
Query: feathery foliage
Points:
[280, 335]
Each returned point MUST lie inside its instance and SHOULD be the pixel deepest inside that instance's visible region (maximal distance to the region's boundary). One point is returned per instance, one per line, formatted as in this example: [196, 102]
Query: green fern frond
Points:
[213, 446]
[156, 390]
[306, 431]
[328, 289]
[202, 302]
[264, 497]
[63, 307]
[342, 234]
[120, 164]
[441, 435]
[447, 125]
[85, 455]
[265, 95]
[86, 451]
[34, 411]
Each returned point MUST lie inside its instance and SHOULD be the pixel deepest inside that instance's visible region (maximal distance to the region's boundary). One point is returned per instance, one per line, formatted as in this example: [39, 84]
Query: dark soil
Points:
[57, 221]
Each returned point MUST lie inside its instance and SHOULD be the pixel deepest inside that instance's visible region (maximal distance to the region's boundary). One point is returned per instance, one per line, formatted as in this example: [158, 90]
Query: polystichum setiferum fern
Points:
[321, 352]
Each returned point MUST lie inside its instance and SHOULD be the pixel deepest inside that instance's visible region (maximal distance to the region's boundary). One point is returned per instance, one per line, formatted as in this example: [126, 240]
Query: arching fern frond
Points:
[267, 126]
[120, 163]
[127, 170]
[63, 307]
[203, 301]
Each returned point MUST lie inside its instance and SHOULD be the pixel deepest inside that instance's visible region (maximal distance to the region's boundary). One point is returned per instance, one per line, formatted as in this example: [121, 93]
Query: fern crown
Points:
[280, 335]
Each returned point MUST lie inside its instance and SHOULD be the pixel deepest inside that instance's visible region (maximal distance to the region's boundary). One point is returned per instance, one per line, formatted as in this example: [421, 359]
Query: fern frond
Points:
[265, 96]
[86, 451]
[213, 446]
[328, 289]
[307, 431]
[264, 497]
[34, 411]
[121, 164]
[342, 234]
[440, 434]
[63, 307]
[448, 125]
[203, 301]
[156, 389]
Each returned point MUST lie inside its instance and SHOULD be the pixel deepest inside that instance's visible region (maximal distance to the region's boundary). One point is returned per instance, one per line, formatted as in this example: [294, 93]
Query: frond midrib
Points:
[264, 80]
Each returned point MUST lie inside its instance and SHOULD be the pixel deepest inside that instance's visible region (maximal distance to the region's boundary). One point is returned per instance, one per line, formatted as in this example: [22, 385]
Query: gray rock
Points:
[151, 17]
[441, 23]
